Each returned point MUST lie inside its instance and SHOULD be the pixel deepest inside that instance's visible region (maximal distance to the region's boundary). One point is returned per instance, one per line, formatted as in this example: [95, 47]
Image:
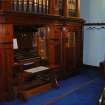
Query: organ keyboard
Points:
[36, 69]
[35, 80]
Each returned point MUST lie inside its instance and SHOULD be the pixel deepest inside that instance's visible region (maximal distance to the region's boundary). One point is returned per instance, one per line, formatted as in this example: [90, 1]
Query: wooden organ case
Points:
[46, 33]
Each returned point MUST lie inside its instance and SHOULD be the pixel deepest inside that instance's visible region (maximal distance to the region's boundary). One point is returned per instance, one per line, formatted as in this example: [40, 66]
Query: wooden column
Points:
[6, 61]
[54, 45]
[51, 50]
[78, 8]
[65, 8]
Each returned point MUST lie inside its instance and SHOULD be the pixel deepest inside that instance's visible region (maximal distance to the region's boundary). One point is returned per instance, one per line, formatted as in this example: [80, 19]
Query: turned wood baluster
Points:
[52, 7]
[65, 8]
[78, 8]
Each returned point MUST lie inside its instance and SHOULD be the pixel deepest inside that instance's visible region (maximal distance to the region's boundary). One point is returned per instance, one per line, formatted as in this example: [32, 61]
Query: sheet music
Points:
[15, 44]
[36, 69]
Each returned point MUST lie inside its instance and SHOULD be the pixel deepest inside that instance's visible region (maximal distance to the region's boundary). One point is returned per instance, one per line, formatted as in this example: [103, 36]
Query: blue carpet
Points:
[82, 89]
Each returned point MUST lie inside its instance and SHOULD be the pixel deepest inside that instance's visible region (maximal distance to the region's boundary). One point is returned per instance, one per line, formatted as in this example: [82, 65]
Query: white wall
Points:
[94, 40]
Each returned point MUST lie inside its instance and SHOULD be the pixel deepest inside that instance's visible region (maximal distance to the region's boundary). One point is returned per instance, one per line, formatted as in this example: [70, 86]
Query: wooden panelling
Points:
[37, 90]
[6, 5]
[6, 62]
[72, 48]
[6, 33]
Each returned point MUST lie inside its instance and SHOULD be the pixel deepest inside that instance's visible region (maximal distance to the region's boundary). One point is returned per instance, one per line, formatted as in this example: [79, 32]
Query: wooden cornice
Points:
[31, 18]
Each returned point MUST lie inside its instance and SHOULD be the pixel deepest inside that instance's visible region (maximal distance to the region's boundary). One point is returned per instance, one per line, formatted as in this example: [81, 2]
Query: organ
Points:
[38, 34]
